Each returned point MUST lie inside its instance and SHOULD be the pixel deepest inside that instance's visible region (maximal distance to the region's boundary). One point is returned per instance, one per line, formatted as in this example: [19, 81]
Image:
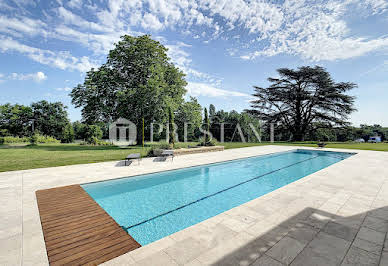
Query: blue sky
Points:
[224, 46]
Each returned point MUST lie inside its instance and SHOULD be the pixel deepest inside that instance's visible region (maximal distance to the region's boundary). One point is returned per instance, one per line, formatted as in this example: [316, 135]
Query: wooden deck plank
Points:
[77, 230]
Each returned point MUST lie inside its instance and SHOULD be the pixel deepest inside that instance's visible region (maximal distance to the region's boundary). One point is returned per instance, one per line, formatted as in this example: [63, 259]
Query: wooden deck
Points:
[77, 230]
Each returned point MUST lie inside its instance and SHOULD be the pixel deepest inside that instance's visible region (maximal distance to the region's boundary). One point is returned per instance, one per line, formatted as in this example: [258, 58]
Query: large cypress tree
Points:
[302, 98]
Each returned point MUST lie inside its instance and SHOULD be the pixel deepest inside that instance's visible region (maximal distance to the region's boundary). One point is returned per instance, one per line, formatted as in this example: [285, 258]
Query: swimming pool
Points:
[156, 205]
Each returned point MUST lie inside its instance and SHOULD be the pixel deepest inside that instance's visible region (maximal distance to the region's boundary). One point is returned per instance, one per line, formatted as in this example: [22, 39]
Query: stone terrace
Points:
[336, 216]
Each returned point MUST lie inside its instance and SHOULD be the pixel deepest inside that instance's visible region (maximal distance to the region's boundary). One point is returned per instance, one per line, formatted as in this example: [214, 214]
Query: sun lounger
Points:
[131, 157]
[168, 153]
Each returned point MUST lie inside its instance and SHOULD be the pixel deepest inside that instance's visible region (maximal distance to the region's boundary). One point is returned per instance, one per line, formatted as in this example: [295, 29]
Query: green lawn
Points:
[20, 157]
[342, 145]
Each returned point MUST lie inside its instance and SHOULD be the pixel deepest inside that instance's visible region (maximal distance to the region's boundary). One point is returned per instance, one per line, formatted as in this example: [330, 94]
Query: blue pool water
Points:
[156, 205]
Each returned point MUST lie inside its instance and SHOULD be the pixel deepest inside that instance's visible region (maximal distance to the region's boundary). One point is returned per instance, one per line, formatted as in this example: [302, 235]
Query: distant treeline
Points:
[51, 119]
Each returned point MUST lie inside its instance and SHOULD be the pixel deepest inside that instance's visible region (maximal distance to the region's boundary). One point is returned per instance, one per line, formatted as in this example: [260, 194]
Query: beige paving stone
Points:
[318, 220]
[185, 250]
[371, 235]
[159, 258]
[237, 225]
[125, 259]
[286, 250]
[247, 253]
[381, 213]
[352, 220]
[310, 257]
[11, 250]
[341, 231]
[215, 220]
[219, 252]
[275, 234]
[384, 259]
[266, 208]
[367, 246]
[363, 178]
[244, 211]
[266, 261]
[356, 256]
[330, 247]
[155, 247]
[194, 262]
[376, 224]
[214, 236]
[303, 233]
[196, 230]
[330, 207]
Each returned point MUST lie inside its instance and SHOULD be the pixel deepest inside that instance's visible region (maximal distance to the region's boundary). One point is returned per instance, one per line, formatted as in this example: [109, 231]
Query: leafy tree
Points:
[230, 120]
[49, 118]
[298, 98]
[15, 120]
[207, 127]
[93, 132]
[212, 112]
[190, 113]
[79, 130]
[34, 139]
[171, 128]
[68, 134]
[137, 81]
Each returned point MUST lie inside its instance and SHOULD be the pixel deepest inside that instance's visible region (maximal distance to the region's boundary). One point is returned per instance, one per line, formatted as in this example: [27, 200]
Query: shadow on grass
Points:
[311, 237]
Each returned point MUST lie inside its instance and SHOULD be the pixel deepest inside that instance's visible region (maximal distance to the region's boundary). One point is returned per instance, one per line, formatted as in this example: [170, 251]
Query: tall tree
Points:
[138, 81]
[68, 134]
[207, 127]
[15, 120]
[299, 98]
[189, 112]
[50, 118]
[171, 127]
[212, 112]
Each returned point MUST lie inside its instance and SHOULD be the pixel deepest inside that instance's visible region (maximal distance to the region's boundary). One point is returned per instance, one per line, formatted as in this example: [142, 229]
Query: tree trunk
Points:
[298, 136]
[139, 133]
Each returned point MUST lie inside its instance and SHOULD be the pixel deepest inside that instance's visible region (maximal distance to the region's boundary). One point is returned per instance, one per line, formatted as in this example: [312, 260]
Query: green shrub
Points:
[1, 141]
[9, 140]
[156, 149]
[204, 141]
[38, 138]
[34, 139]
[97, 142]
[68, 134]
[92, 132]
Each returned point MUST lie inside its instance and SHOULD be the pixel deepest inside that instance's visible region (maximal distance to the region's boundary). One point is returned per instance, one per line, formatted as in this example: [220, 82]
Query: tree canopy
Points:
[189, 112]
[137, 81]
[302, 98]
[47, 118]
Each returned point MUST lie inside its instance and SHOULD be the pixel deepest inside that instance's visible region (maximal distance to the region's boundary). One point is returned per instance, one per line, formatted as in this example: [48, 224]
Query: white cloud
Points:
[182, 59]
[202, 89]
[60, 59]
[151, 22]
[77, 4]
[17, 26]
[317, 31]
[312, 29]
[38, 76]
[64, 89]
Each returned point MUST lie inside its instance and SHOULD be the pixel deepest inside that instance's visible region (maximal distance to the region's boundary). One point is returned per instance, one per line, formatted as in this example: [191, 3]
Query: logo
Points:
[122, 132]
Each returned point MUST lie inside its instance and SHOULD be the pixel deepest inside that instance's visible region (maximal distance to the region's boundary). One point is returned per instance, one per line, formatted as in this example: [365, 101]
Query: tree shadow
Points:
[304, 227]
